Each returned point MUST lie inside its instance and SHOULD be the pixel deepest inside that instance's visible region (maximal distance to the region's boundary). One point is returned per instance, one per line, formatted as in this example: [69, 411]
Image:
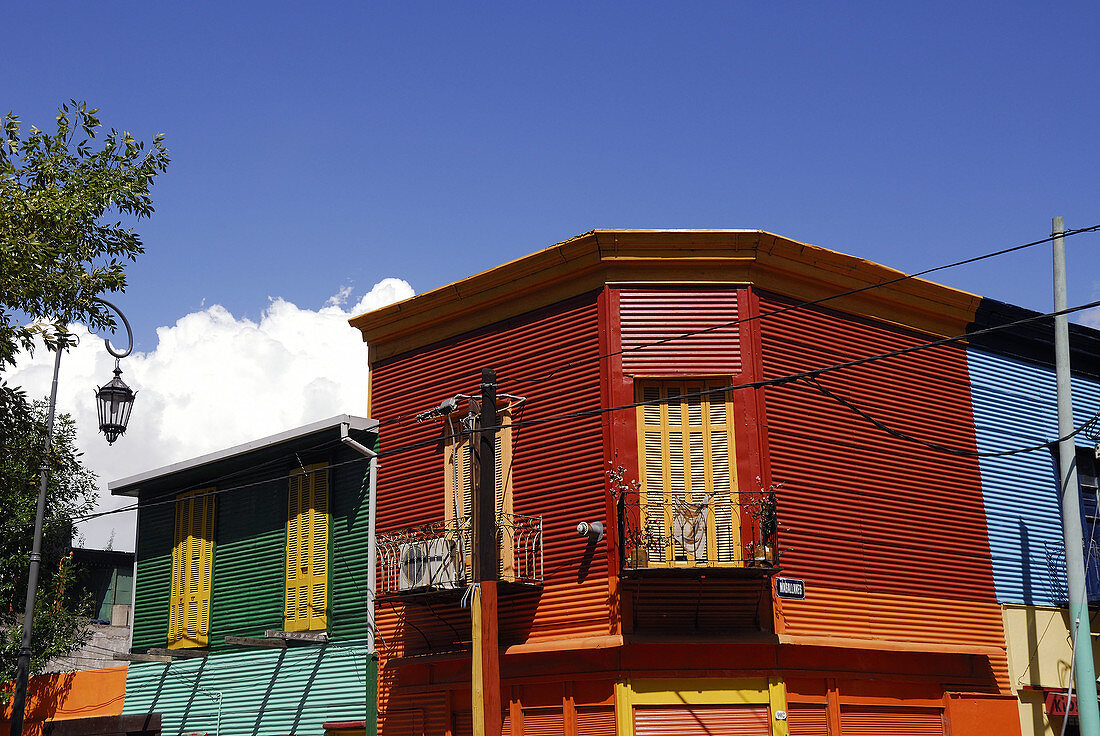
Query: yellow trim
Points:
[702, 691]
[777, 699]
[477, 674]
[624, 709]
[587, 262]
[699, 691]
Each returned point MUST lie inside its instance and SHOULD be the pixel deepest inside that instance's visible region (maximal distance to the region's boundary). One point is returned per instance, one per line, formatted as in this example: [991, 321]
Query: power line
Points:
[763, 383]
[803, 305]
[935, 445]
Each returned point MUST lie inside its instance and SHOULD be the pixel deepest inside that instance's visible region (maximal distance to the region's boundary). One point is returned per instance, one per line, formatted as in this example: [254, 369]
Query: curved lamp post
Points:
[114, 400]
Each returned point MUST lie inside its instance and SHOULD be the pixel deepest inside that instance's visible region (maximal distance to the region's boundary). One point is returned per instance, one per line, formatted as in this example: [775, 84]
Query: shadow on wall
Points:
[69, 695]
[212, 695]
[46, 696]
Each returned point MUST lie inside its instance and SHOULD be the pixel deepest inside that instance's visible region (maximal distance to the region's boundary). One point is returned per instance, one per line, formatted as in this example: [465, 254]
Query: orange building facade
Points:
[85, 702]
[665, 384]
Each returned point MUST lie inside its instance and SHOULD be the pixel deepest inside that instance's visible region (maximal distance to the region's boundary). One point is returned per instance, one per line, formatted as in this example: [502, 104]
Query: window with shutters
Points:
[307, 534]
[461, 470]
[192, 569]
[689, 503]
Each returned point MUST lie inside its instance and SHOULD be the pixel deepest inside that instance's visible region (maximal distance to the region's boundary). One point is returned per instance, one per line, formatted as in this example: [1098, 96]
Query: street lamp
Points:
[115, 400]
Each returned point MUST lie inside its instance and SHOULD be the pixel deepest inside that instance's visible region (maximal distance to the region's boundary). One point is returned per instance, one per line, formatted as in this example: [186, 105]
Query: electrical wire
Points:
[935, 445]
[583, 414]
[803, 305]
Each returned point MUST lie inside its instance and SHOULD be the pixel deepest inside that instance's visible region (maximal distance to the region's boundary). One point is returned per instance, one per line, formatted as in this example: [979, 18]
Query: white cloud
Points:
[213, 381]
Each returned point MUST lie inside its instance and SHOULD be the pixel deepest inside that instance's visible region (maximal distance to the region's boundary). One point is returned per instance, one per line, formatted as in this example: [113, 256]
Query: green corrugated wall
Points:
[250, 554]
[249, 561]
[254, 692]
[154, 575]
[348, 560]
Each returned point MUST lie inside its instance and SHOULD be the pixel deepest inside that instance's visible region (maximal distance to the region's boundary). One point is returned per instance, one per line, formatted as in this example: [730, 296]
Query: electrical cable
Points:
[935, 445]
[804, 304]
[762, 383]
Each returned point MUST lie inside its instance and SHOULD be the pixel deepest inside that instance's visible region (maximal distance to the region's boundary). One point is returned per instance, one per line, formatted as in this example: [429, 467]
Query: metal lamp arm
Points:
[129, 332]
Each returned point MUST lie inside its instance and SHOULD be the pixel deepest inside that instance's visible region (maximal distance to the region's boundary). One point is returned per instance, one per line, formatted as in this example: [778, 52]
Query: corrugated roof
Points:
[276, 443]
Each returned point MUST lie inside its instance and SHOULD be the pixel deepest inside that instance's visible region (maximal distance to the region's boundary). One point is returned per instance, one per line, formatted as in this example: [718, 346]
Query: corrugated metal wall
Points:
[706, 605]
[890, 537]
[291, 690]
[1015, 404]
[249, 559]
[868, 720]
[702, 720]
[250, 556]
[558, 469]
[807, 720]
[651, 315]
[348, 566]
[153, 580]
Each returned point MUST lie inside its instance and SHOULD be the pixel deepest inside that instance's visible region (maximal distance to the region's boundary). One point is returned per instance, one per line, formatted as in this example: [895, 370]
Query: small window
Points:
[192, 568]
[1090, 519]
[461, 469]
[689, 498]
[307, 533]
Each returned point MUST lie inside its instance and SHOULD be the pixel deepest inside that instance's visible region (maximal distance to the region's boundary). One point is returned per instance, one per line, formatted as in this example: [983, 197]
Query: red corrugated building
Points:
[628, 351]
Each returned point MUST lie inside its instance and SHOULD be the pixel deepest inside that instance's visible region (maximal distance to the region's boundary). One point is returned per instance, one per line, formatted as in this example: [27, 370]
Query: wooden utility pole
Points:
[486, 652]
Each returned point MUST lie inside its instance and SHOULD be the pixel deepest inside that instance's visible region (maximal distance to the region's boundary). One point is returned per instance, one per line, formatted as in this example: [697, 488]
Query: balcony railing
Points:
[436, 556]
[677, 533]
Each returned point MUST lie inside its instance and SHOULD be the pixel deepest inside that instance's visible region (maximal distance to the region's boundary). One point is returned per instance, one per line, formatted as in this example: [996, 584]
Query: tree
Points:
[59, 248]
[67, 201]
[61, 616]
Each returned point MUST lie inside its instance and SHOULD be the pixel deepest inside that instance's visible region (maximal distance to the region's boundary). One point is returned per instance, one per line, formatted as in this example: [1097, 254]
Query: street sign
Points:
[790, 588]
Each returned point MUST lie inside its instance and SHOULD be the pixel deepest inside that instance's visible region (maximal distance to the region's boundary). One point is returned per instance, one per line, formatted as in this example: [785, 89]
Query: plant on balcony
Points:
[763, 507]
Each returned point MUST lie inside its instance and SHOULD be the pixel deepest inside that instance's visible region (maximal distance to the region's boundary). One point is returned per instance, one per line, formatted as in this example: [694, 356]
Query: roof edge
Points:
[362, 424]
[590, 260]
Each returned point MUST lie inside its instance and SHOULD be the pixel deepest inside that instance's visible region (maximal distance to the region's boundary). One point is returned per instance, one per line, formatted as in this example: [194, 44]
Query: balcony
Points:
[678, 537]
[435, 557]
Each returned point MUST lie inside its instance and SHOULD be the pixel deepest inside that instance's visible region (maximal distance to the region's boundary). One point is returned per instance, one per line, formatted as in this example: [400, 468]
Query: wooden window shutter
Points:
[686, 443]
[307, 533]
[192, 570]
[461, 470]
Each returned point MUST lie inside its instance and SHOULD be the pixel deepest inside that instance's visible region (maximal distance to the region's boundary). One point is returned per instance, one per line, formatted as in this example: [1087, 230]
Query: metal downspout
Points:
[372, 562]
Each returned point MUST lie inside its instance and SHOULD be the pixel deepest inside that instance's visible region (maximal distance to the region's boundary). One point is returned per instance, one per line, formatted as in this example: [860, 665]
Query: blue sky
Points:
[341, 150]
[322, 145]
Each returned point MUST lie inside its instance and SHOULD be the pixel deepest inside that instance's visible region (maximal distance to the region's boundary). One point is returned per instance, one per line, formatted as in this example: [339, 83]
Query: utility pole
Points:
[23, 666]
[1084, 668]
[486, 650]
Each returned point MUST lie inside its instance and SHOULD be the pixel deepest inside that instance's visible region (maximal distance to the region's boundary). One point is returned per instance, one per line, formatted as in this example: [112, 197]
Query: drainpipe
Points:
[372, 563]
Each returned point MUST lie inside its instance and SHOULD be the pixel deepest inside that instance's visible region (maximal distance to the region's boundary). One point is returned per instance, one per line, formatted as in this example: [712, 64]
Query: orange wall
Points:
[68, 695]
[558, 470]
[889, 535]
[982, 715]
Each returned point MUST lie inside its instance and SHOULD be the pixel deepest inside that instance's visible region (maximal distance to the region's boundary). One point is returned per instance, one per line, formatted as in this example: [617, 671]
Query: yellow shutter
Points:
[192, 570]
[461, 471]
[687, 456]
[307, 550]
[318, 551]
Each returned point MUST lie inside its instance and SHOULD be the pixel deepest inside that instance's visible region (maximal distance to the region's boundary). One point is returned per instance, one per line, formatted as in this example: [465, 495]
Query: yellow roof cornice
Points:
[587, 262]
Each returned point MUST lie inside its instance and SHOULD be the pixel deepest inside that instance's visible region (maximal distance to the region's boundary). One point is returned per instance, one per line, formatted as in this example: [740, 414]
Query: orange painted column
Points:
[486, 661]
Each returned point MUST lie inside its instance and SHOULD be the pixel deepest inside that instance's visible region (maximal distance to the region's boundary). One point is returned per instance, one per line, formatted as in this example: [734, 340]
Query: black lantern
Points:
[114, 399]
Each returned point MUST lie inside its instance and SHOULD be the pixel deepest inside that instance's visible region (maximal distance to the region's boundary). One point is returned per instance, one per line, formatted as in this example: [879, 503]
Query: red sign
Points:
[1056, 704]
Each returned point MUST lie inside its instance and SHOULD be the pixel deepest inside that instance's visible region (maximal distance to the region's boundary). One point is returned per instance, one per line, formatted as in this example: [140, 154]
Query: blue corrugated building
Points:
[1013, 390]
